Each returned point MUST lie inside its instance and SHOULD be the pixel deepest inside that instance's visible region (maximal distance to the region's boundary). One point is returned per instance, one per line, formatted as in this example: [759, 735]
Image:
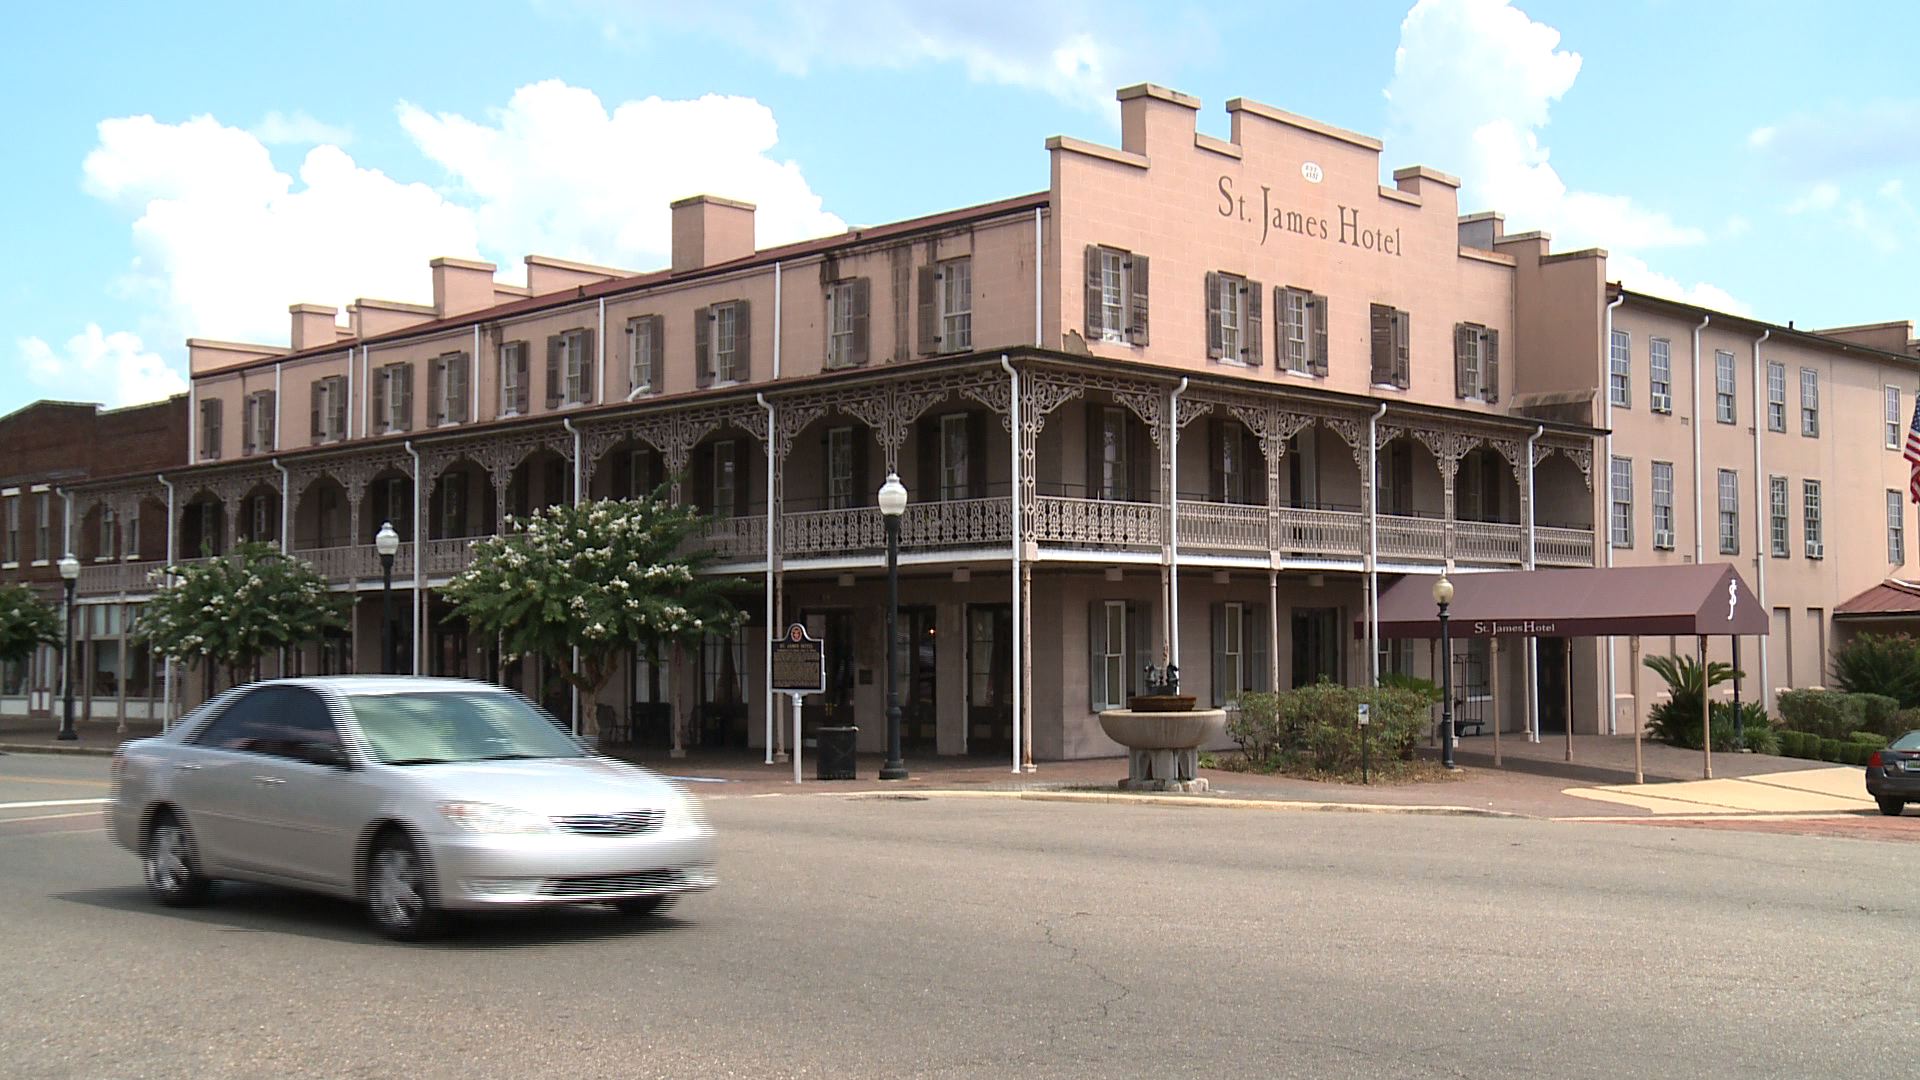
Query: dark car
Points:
[1893, 774]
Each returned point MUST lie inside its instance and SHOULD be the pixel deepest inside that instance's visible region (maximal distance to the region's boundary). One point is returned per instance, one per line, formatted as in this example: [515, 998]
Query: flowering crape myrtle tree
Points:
[26, 623]
[601, 577]
[233, 610]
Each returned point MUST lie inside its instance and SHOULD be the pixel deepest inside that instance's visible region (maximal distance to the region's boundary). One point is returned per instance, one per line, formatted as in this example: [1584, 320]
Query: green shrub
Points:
[1906, 720]
[1321, 721]
[1831, 749]
[1677, 720]
[1858, 753]
[1792, 743]
[1826, 713]
[1880, 714]
[1255, 725]
[1872, 739]
[1760, 735]
[1425, 687]
[1885, 664]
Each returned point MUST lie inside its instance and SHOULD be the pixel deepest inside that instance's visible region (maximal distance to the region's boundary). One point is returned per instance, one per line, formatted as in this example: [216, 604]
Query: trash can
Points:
[834, 752]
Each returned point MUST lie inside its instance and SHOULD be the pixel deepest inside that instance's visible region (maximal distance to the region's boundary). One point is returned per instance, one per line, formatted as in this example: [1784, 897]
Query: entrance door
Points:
[1316, 645]
[835, 707]
[1553, 686]
[990, 679]
[919, 702]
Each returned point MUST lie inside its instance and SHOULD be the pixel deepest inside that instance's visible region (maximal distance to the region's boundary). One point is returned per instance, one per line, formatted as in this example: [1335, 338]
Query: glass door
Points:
[990, 679]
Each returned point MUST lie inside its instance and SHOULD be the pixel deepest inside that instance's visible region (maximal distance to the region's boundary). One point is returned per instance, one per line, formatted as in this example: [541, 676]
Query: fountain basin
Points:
[1163, 748]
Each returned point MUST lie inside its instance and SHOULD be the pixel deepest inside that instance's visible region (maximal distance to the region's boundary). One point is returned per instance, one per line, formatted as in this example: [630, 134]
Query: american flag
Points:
[1913, 451]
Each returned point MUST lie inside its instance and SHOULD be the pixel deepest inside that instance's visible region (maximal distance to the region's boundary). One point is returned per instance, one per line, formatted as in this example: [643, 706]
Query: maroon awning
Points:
[1620, 601]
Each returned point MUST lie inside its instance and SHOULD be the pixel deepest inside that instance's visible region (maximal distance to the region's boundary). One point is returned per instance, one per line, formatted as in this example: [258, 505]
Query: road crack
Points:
[1120, 989]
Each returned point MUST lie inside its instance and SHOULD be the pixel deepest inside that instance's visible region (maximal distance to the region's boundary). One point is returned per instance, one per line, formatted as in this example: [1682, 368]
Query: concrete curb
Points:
[55, 748]
[1187, 801]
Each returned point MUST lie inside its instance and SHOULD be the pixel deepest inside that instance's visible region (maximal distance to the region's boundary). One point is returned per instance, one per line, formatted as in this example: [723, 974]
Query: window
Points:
[840, 471]
[12, 552]
[725, 477]
[396, 497]
[954, 471]
[1776, 396]
[1110, 669]
[132, 525]
[212, 529]
[210, 430]
[643, 473]
[262, 523]
[1810, 510]
[1729, 512]
[1893, 418]
[1777, 512]
[1476, 362]
[840, 325]
[1663, 505]
[243, 725]
[1303, 331]
[1660, 374]
[1233, 319]
[1622, 517]
[1896, 529]
[43, 530]
[257, 431]
[393, 397]
[1620, 370]
[514, 391]
[646, 345]
[327, 411]
[1809, 403]
[722, 343]
[1234, 473]
[1391, 351]
[1116, 304]
[105, 550]
[1240, 654]
[570, 368]
[449, 384]
[453, 505]
[1723, 408]
[956, 305]
[1113, 463]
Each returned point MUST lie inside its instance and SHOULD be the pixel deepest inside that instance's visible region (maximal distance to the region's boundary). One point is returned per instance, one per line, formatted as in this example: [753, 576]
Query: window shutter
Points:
[742, 480]
[865, 487]
[380, 389]
[1137, 316]
[861, 302]
[1251, 351]
[1140, 642]
[556, 349]
[249, 411]
[1094, 488]
[317, 392]
[1402, 337]
[702, 487]
[1380, 319]
[1256, 470]
[1490, 367]
[1462, 341]
[1097, 693]
[338, 399]
[742, 341]
[1140, 469]
[927, 281]
[656, 353]
[1222, 672]
[436, 391]
[1216, 476]
[703, 347]
[826, 469]
[927, 450]
[522, 375]
[589, 371]
[1255, 648]
[1317, 343]
[976, 455]
[1095, 327]
[1215, 347]
[405, 374]
[463, 404]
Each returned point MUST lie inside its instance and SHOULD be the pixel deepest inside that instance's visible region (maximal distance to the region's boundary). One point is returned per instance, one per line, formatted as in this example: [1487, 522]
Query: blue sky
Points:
[190, 170]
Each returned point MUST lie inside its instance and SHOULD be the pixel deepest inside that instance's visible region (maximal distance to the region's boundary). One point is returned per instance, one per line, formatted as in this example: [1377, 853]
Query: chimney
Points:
[708, 230]
[313, 326]
[460, 286]
[1152, 115]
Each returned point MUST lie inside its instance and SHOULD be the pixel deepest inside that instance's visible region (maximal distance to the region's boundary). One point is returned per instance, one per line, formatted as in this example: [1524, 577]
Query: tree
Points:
[601, 577]
[235, 609]
[26, 623]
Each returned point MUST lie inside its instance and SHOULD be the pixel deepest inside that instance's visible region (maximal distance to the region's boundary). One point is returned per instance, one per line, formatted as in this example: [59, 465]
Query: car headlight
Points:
[684, 813]
[479, 817]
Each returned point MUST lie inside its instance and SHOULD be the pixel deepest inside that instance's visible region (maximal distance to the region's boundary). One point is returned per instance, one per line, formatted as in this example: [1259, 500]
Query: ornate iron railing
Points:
[1211, 526]
[832, 532]
[1489, 542]
[1099, 523]
[1555, 546]
[1304, 532]
[1412, 537]
[957, 523]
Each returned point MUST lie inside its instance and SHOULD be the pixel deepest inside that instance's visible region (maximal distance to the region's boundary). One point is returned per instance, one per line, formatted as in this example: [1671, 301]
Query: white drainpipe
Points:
[166, 699]
[276, 409]
[349, 431]
[1373, 543]
[600, 348]
[1699, 496]
[1019, 646]
[1762, 509]
[772, 538]
[473, 376]
[1173, 522]
[567, 423]
[1039, 296]
[419, 556]
[1530, 558]
[193, 421]
[1605, 531]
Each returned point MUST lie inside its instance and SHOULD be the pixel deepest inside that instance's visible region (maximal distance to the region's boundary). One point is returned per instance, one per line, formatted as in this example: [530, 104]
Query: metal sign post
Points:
[799, 668]
[1365, 718]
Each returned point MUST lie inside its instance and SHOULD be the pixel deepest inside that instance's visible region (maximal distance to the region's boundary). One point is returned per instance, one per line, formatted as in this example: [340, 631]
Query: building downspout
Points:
[600, 348]
[1372, 480]
[1173, 522]
[1019, 645]
[473, 377]
[1611, 682]
[193, 420]
[1529, 560]
[366, 399]
[419, 559]
[1761, 521]
[166, 694]
[350, 380]
[286, 499]
[1699, 496]
[773, 538]
[276, 410]
[567, 423]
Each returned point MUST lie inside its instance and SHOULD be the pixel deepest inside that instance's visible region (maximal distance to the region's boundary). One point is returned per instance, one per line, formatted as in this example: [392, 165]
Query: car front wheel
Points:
[171, 866]
[1892, 807]
[398, 897]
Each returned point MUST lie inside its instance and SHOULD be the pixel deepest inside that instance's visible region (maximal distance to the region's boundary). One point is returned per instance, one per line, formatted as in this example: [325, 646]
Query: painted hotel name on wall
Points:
[1345, 229]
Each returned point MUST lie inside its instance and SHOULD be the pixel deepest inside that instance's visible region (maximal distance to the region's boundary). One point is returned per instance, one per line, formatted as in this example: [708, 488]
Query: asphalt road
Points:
[946, 937]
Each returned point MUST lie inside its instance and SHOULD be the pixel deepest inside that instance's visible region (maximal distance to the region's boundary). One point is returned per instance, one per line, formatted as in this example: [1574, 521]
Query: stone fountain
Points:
[1163, 734]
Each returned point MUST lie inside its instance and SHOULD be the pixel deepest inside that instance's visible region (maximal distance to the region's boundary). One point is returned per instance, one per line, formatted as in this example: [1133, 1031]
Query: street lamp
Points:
[387, 543]
[1443, 596]
[893, 503]
[70, 577]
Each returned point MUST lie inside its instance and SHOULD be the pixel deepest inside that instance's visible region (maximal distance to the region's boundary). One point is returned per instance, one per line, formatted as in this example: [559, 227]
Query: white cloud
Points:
[1822, 196]
[94, 359]
[299, 129]
[1738, 225]
[1842, 138]
[556, 173]
[1885, 218]
[1632, 272]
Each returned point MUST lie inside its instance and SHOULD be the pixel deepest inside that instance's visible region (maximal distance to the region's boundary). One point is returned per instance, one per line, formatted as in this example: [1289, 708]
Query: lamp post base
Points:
[67, 736]
[893, 772]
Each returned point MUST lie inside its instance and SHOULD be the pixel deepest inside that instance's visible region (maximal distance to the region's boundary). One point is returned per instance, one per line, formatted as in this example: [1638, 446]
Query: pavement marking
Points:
[51, 802]
[1175, 800]
[47, 780]
[1835, 790]
[47, 817]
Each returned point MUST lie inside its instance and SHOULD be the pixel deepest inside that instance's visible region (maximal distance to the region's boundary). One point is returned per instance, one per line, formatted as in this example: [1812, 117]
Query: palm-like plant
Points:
[1677, 720]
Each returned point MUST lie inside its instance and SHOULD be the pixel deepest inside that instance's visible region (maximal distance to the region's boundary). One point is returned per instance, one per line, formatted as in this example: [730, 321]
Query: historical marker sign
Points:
[799, 662]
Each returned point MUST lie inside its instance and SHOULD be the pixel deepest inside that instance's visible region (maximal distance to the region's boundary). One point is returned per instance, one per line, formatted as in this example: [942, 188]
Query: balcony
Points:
[1100, 524]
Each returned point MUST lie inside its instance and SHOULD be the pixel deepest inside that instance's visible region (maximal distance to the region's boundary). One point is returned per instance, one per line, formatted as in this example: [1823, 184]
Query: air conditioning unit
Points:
[1663, 403]
[1816, 549]
[1663, 540]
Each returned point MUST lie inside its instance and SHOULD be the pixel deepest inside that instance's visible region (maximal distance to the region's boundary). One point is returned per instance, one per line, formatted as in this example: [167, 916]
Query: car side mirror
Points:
[328, 754]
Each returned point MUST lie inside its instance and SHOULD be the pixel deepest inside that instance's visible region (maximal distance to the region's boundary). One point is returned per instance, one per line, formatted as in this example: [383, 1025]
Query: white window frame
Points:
[1115, 293]
[1725, 409]
[954, 467]
[956, 305]
[1229, 300]
[839, 464]
[1893, 418]
[840, 324]
[1809, 403]
[1776, 396]
[575, 365]
[1729, 486]
[395, 407]
[1810, 512]
[452, 396]
[1233, 650]
[12, 554]
[1620, 370]
[1779, 525]
[263, 433]
[1896, 528]
[397, 498]
[509, 389]
[1663, 505]
[639, 463]
[640, 343]
[1475, 342]
[1620, 516]
[726, 340]
[130, 547]
[259, 516]
[43, 535]
[1296, 330]
[1660, 375]
[1113, 661]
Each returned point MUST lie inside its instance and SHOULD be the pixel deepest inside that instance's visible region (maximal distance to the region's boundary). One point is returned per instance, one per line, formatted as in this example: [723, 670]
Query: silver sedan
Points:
[414, 796]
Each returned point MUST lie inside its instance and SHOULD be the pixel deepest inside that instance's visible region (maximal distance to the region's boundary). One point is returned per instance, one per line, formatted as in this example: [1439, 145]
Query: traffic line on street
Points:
[51, 780]
[47, 817]
[43, 804]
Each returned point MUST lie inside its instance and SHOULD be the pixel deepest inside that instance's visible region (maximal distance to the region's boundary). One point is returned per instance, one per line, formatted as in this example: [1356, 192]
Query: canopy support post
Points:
[1639, 772]
[1499, 702]
[1567, 653]
[1706, 711]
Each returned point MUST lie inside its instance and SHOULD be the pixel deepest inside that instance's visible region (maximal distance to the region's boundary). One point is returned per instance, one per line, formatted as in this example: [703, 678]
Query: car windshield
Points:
[1909, 741]
[446, 726]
